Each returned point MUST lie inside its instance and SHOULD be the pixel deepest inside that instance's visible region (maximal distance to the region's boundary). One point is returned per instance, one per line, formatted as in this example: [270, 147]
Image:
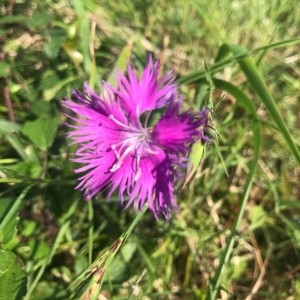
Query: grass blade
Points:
[89, 283]
[245, 101]
[220, 65]
[259, 86]
[14, 208]
[66, 220]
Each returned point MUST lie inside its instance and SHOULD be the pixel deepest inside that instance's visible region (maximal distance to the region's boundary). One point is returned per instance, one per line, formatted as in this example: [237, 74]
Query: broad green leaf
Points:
[119, 265]
[37, 249]
[41, 131]
[28, 227]
[44, 108]
[56, 38]
[13, 280]
[8, 127]
[38, 20]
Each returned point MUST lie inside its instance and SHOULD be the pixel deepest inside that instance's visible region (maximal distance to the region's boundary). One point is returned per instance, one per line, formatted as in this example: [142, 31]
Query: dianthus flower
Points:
[119, 150]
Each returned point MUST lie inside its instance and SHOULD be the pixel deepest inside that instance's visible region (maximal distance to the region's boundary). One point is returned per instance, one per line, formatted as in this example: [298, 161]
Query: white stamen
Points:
[120, 158]
[135, 142]
[130, 128]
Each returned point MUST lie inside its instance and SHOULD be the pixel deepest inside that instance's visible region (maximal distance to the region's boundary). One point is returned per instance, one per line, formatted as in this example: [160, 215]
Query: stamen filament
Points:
[130, 128]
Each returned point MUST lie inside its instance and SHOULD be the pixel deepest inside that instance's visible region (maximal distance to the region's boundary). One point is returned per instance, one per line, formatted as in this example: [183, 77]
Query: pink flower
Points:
[119, 150]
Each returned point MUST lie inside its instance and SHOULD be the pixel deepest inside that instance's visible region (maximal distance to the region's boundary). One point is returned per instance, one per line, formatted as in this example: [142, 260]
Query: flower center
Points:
[135, 142]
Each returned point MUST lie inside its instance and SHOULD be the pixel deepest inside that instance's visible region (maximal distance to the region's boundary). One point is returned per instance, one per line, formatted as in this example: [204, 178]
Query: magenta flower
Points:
[118, 149]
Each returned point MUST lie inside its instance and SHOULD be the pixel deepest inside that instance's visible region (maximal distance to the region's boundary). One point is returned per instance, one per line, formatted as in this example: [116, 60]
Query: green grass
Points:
[237, 233]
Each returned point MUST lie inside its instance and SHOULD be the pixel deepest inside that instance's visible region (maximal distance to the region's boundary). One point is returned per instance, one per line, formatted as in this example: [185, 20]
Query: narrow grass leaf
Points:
[12, 209]
[91, 230]
[88, 284]
[121, 62]
[259, 86]
[65, 221]
[222, 61]
[224, 259]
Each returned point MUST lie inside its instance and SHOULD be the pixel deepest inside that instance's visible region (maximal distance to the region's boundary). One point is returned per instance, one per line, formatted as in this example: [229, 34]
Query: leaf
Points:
[38, 20]
[8, 127]
[13, 280]
[119, 265]
[4, 69]
[221, 62]
[255, 79]
[8, 216]
[195, 156]
[63, 230]
[121, 62]
[242, 56]
[13, 19]
[37, 249]
[9, 230]
[56, 38]
[88, 284]
[257, 216]
[24, 169]
[49, 94]
[44, 108]
[41, 131]
[242, 98]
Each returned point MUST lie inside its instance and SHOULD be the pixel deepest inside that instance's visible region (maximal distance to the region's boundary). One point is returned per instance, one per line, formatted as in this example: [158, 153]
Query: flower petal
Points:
[148, 93]
[175, 131]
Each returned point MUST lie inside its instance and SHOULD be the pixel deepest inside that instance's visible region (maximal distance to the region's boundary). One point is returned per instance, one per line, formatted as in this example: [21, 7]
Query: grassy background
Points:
[53, 46]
